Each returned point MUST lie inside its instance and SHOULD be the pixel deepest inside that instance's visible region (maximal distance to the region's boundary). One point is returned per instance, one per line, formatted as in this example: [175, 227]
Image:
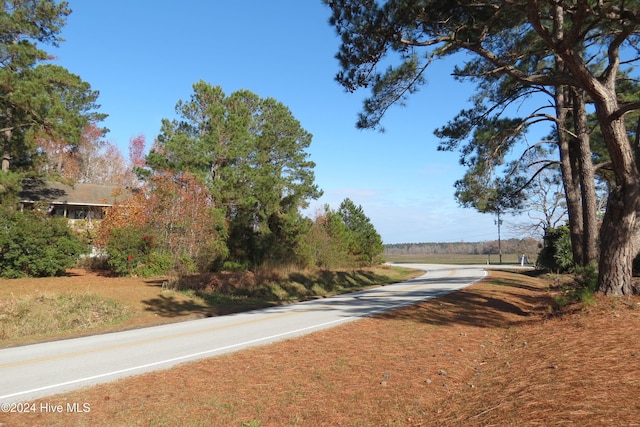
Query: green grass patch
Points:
[57, 314]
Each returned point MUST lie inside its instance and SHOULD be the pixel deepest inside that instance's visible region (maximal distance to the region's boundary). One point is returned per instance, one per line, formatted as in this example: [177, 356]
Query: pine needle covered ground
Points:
[495, 353]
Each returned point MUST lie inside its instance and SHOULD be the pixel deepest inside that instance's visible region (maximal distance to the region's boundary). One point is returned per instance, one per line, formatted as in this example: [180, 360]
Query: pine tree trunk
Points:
[570, 177]
[6, 150]
[616, 257]
[587, 180]
[617, 232]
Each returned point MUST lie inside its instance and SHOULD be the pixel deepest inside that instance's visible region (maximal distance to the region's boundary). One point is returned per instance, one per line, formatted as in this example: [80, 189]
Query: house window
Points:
[58, 211]
[78, 214]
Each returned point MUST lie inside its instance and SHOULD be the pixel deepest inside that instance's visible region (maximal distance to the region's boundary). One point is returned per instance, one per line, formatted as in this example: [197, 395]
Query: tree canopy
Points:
[250, 152]
[344, 238]
[37, 100]
[364, 243]
[577, 53]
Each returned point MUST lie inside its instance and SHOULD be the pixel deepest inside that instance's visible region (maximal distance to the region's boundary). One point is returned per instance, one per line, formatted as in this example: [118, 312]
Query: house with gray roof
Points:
[75, 202]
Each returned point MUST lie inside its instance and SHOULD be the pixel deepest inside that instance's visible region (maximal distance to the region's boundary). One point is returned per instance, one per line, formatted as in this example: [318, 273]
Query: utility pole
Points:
[499, 223]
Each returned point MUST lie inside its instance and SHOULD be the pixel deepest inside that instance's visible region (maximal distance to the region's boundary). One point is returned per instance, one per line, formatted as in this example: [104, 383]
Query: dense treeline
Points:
[509, 246]
[223, 187]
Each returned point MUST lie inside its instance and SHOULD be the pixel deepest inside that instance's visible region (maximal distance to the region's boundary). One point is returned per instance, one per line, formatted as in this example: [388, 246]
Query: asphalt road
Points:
[40, 370]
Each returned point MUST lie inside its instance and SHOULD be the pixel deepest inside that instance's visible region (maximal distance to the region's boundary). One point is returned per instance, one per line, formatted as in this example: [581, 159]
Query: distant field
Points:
[457, 259]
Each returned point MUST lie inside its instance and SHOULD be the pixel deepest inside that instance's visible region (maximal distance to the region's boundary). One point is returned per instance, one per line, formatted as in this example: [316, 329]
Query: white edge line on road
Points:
[215, 350]
[175, 359]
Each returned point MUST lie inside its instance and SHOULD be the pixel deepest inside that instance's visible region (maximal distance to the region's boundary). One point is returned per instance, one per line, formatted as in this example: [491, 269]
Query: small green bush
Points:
[557, 254]
[235, 266]
[583, 289]
[34, 244]
[133, 251]
[588, 283]
[157, 263]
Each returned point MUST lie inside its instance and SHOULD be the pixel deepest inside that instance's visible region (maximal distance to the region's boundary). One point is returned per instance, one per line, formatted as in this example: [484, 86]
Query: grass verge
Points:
[83, 303]
[49, 315]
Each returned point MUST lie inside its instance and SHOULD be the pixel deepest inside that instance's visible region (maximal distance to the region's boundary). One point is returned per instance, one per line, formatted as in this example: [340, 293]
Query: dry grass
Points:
[132, 298]
[85, 302]
[491, 354]
[44, 314]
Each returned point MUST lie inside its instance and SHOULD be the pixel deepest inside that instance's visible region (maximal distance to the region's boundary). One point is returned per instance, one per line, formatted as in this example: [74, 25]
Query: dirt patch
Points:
[490, 354]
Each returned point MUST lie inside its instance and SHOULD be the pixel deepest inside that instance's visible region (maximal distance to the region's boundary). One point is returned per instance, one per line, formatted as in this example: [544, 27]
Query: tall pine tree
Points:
[250, 152]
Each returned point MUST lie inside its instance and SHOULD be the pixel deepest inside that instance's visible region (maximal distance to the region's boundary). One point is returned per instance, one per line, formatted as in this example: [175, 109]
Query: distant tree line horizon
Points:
[528, 246]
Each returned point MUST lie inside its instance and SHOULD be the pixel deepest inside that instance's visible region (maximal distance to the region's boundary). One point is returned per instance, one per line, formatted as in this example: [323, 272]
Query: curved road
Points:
[39, 370]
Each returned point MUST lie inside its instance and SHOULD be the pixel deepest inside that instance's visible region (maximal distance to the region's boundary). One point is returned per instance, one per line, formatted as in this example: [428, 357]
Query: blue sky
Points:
[145, 56]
